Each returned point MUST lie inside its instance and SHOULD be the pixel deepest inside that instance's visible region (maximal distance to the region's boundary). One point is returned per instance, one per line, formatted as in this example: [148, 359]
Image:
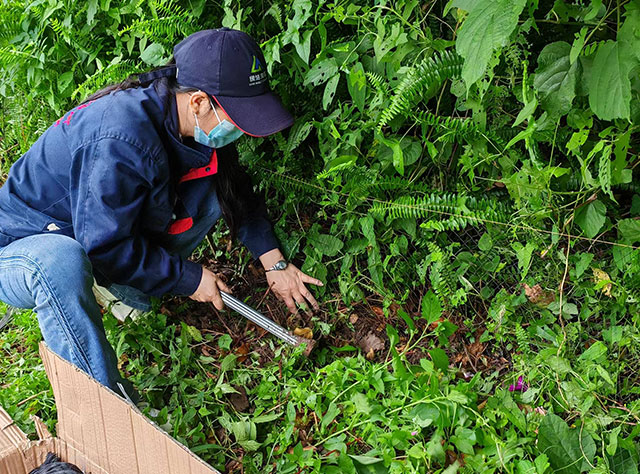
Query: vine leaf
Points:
[569, 451]
[610, 87]
[357, 83]
[556, 78]
[624, 462]
[486, 29]
[153, 54]
[591, 218]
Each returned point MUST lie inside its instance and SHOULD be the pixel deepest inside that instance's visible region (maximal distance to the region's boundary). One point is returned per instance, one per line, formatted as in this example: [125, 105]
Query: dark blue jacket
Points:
[114, 175]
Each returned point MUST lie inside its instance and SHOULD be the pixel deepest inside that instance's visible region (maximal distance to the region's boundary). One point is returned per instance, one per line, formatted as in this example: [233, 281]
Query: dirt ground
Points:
[361, 326]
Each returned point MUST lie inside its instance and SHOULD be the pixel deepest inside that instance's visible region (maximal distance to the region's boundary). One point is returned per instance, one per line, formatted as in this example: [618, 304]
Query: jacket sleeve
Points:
[107, 198]
[256, 232]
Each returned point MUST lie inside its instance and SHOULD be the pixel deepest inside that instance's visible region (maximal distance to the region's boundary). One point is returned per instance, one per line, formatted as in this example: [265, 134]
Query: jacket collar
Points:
[190, 154]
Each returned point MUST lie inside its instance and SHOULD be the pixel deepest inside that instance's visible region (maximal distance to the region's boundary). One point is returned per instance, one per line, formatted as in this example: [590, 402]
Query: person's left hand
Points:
[288, 286]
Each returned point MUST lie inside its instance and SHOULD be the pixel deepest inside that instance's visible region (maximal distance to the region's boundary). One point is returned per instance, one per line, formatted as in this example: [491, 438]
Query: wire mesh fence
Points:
[475, 262]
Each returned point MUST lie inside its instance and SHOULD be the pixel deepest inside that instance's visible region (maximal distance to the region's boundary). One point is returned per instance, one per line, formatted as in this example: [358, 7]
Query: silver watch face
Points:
[281, 265]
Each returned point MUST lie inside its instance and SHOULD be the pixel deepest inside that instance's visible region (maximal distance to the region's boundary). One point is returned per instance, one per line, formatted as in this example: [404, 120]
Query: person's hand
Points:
[209, 289]
[288, 286]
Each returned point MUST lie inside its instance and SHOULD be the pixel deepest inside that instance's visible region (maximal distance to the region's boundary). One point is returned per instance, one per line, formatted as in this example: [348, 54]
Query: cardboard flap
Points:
[110, 432]
[10, 435]
[41, 428]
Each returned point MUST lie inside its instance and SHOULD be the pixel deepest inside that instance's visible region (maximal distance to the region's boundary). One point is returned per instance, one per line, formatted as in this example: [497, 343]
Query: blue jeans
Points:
[52, 275]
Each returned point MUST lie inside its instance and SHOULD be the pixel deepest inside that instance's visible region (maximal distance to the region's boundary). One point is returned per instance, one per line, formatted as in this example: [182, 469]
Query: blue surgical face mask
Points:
[222, 134]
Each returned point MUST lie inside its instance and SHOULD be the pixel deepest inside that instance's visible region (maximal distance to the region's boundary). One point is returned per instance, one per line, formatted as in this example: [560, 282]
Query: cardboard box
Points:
[98, 431]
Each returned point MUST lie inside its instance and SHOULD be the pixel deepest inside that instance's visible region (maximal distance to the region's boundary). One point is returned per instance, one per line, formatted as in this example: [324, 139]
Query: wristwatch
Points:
[279, 265]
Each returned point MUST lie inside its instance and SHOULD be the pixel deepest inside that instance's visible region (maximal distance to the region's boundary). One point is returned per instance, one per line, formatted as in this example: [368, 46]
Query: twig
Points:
[30, 398]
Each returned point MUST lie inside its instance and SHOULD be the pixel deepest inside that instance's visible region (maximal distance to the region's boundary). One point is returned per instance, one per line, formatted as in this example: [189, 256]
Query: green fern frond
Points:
[444, 281]
[174, 21]
[460, 128]
[10, 55]
[282, 181]
[276, 12]
[111, 74]
[378, 82]
[445, 211]
[430, 73]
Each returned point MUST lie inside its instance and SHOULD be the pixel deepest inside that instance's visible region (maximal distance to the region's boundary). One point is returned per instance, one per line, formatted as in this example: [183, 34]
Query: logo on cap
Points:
[256, 66]
[258, 75]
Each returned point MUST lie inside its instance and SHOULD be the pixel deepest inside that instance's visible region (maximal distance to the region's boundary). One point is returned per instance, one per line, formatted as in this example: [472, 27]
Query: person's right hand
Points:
[209, 289]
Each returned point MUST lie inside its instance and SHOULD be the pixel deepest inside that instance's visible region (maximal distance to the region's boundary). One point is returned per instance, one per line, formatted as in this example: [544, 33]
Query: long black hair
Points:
[233, 184]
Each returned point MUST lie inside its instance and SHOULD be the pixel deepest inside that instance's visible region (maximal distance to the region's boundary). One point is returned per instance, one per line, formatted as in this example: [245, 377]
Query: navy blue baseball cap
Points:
[229, 66]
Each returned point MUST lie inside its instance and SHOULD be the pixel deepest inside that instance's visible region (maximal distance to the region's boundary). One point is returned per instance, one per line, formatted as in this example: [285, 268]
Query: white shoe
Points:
[109, 302]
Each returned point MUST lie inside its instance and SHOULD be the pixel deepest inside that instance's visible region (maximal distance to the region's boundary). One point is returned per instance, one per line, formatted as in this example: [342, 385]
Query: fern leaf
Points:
[113, 73]
[429, 73]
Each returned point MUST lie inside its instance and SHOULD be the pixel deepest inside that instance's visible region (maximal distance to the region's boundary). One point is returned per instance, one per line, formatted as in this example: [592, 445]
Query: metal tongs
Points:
[265, 323]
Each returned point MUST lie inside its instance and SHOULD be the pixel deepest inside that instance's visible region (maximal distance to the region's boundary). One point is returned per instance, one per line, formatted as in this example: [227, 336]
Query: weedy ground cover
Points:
[463, 177]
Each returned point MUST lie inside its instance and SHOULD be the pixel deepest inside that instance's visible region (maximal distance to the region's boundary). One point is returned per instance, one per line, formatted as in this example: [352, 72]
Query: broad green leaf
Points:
[303, 47]
[249, 444]
[194, 333]
[629, 230]
[569, 451]
[92, 8]
[431, 307]
[367, 227]
[591, 218]
[64, 81]
[327, 244]
[555, 78]
[361, 403]
[366, 460]
[486, 29]
[524, 253]
[623, 462]
[440, 359]
[485, 243]
[398, 156]
[610, 87]
[558, 364]
[583, 263]
[321, 72]
[229, 362]
[357, 84]
[595, 351]
[329, 416]
[578, 44]
[330, 91]
[153, 54]
[526, 112]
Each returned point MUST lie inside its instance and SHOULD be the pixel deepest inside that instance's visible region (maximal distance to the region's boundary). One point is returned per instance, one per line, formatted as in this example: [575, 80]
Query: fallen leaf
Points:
[538, 296]
[435, 324]
[307, 333]
[475, 349]
[242, 352]
[353, 318]
[601, 275]
[377, 310]
[371, 343]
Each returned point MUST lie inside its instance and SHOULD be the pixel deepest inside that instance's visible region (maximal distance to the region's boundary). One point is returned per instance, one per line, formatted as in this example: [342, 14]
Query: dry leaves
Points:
[538, 296]
[307, 333]
[600, 276]
[370, 344]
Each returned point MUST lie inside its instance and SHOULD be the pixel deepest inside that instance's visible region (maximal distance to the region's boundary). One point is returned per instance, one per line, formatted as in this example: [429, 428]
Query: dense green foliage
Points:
[477, 155]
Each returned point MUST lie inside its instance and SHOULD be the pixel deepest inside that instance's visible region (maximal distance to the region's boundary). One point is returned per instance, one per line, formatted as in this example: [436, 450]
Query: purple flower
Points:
[520, 386]
[414, 433]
